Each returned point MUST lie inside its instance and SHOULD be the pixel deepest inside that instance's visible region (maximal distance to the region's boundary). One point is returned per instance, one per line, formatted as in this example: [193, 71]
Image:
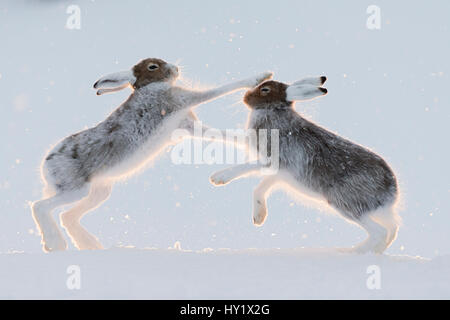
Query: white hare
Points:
[355, 181]
[82, 168]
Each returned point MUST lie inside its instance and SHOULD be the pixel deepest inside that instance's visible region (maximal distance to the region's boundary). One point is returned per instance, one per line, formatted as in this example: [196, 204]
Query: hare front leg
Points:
[225, 176]
[260, 200]
[196, 129]
[208, 95]
[260, 193]
[70, 220]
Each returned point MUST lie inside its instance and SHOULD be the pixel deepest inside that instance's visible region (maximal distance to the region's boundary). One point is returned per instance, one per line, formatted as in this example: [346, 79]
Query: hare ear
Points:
[109, 90]
[313, 81]
[304, 92]
[115, 82]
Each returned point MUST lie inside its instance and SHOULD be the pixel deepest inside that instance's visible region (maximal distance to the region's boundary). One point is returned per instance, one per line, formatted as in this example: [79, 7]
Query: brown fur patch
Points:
[144, 76]
[259, 97]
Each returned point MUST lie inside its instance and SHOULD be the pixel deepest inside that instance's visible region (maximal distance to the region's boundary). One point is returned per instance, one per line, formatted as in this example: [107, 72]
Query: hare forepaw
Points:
[220, 178]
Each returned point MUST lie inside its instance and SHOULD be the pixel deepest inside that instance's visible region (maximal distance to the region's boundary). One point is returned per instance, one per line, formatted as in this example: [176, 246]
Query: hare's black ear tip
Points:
[325, 91]
[323, 79]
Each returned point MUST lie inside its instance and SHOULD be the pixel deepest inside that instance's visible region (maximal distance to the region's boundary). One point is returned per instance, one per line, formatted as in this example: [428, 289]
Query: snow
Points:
[128, 273]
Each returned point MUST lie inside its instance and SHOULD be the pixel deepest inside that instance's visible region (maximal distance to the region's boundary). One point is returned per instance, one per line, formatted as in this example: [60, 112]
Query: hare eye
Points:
[152, 67]
[265, 90]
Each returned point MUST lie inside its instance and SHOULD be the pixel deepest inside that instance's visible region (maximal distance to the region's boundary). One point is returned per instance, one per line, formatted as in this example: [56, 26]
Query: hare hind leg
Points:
[377, 235]
[52, 237]
[70, 220]
[382, 226]
[389, 219]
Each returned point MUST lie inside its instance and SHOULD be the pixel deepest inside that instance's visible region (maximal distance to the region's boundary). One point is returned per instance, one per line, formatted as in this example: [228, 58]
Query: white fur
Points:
[313, 81]
[152, 147]
[116, 79]
[303, 92]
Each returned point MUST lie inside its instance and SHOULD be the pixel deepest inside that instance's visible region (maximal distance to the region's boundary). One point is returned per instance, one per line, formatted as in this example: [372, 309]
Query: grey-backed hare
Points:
[316, 162]
[82, 168]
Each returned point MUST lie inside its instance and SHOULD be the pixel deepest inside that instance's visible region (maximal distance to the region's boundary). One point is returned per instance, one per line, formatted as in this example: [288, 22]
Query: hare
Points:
[82, 168]
[316, 162]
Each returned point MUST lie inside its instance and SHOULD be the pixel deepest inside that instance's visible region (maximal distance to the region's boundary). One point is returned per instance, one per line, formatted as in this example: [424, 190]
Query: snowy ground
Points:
[222, 274]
